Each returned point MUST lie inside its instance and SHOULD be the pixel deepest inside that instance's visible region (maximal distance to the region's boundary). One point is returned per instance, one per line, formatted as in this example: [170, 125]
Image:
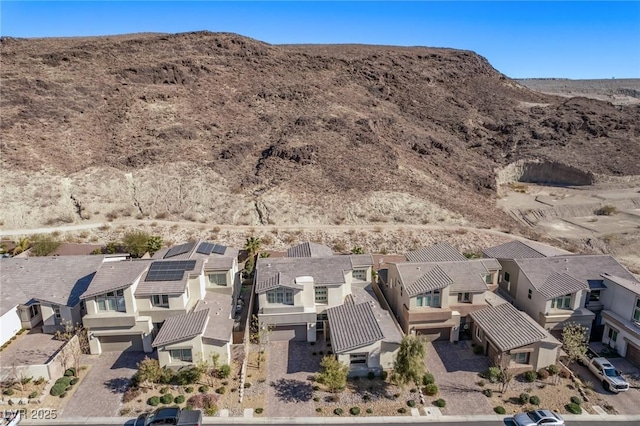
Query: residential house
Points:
[129, 303]
[44, 292]
[434, 293]
[293, 293]
[512, 339]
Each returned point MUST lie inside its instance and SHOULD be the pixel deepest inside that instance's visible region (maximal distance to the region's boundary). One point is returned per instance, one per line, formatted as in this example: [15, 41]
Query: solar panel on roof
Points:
[218, 249]
[181, 249]
[170, 275]
[169, 270]
[205, 248]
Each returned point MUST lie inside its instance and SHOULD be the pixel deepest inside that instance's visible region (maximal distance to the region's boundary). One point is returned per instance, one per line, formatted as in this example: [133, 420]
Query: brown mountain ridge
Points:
[221, 128]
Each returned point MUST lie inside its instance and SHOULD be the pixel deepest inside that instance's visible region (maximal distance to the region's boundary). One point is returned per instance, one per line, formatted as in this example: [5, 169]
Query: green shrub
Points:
[318, 410]
[488, 393]
[33, 395]
[8, 392]
[188, 389]
[534, 400]
[258, 410]
[384, 375]
[411, 403]
[225, 371]
[167, 398]
[70, 372]
[369, 410]
[366, 397]
[543, 374]
[188, 376]
[402, 410]
[354, 411]
[430, 389]
[247, 385]
[553, 369]
[441, 403]
[338, 411]
[576, 400]
[492, 374]
[164, 390]
[428, 379]
[316, 399]
[39, 381]
[573, 408]
[167, 376]
[524, 398]
[179, 399]
[63, 394]
[74, 381]
[66, 380]
[500, 410]
[530, 376]
[203, 389]
[413, 390]
[153, 401]
[316, 387]
[371, 375]
[57, 389]
[221, 390]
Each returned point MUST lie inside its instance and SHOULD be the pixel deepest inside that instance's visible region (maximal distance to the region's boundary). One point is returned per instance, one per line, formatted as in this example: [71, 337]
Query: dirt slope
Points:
[221, 128]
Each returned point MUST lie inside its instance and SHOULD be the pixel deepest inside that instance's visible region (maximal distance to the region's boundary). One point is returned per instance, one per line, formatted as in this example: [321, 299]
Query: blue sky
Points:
[521, 39]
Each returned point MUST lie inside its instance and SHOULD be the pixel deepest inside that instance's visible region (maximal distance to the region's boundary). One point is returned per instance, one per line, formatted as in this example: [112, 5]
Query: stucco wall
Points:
[10, 324]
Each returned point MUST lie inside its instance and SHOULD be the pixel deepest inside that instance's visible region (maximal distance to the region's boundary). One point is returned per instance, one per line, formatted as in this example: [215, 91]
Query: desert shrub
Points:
[33, 394]
[428, 379]
[354, 411]
[8, 392]
[166, 376]
[247, 385]
[576, 400]
[26, 380]
[366, 397]
[524, 398]
[441, 403]
[384, 375]
[70, 372]
[188, 376]
[316, 399]
[530, 376]
[153, 401]
[477, 349]
[607, 210]
[402, 410]
[431, 389]
[564, 374]
[573, 408]
[39, 381]
[534, 400]
[488, 393]
[413, 390]
[552, 369]
[130, 394]
[371, 375]
[68, 388]
[57, 389]
[369, 410]
[74, 381]
[259, 410]
[204, 401]
[179, 399]
[221, 390]
[167, 398]
[338, 411]
[411, 403]
[481, 383]
[164, 390]
[203, 389]
[492, 374]
[63, 394]
[499, 409]
[188, 389]
[316, 387]
[543, 373]
[225, 371]
[318, 410]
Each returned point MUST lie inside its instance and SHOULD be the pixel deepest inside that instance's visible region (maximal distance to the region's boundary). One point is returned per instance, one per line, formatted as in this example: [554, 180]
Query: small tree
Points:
[409, 364]
[136, 242]
[154, 244]
[209, 368]
[574, 341]
[333, 373]
[252, 246]
[44, 245]
[22, 245]
[149, 371]
[260, 332]
[357, 250]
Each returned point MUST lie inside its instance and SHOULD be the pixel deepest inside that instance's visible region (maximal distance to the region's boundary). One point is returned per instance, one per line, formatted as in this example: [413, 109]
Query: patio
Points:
[30, 348]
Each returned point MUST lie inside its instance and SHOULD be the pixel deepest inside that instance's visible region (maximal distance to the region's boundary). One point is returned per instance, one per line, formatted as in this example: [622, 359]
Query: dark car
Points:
[161, 416]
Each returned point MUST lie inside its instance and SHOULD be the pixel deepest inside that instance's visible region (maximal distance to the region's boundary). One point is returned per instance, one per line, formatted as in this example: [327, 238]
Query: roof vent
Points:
[305, 279]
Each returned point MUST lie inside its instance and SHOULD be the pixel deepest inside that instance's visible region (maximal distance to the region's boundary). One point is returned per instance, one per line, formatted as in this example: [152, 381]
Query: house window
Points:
[507, 277]
[280, 295]
[613, 334]
[529, 294]
[360, 274]
[478, 333]
[320, 319]
[160, 300]
[562, 302]
[358, 359]
[488, 279]
[636, 311]
[464, 297]
[217, 279]
[520, 358]
[112, 301]
[594, 296]
[431, 299]
[183, 355]
[56, 314]
[321, 295]
[34, 311]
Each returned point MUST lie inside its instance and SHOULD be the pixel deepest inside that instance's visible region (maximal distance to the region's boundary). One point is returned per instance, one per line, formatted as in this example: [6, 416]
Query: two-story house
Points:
[293, 293]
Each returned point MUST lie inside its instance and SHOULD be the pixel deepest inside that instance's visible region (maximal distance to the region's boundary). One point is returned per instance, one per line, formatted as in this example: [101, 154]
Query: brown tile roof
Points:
[115, 276]
[309, 249]
[324, 270]
[353, 326]
[441, 252]
[182, 327]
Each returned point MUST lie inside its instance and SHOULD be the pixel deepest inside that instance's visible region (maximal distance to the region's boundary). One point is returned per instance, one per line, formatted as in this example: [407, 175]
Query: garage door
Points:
[296, 333]
[121, 343]
[633, 354]
[433, 334]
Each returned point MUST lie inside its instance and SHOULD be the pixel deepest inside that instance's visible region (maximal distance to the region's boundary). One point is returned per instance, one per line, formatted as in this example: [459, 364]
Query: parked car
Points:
[538, 417]
[611, 378]
[170, 416]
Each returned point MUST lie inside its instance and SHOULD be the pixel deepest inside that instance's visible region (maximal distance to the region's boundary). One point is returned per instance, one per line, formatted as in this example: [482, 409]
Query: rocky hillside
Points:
[220, 128]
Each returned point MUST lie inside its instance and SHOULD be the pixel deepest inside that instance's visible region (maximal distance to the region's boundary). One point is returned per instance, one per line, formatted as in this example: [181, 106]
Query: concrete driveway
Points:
[100, 393]
[455, 368]
[290, 392]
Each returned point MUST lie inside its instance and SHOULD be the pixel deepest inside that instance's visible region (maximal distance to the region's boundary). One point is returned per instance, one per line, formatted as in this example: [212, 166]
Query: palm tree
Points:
[22, 245]
[252, 246]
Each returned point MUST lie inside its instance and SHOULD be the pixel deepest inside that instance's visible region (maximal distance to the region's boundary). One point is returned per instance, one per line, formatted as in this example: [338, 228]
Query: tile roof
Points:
[433, 279]
[508, 327]
[190, 252]
[115, 276]
[323, 270]
[149, 288]
[309, 249]
[220, 325]
[361, 260]
[523, 250]
[632, 285]
[490, 263]
[361, 293]
[54, 279]
[353, 326]
[558, 284]
[441, 252]
[463, 276]
[182, 327]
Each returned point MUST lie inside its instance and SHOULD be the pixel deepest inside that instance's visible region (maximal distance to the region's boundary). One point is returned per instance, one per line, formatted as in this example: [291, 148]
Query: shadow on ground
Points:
[460, 357]
[301, 358]
[289, 390]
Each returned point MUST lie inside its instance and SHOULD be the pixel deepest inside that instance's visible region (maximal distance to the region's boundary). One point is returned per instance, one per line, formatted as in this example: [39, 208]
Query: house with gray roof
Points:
[434, 298]
[512, 339]
[293, 293]
[44, 291]
[441, 252]
[129, 303]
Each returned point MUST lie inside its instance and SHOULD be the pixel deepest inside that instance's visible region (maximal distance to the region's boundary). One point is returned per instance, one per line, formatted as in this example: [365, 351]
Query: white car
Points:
[538, 417]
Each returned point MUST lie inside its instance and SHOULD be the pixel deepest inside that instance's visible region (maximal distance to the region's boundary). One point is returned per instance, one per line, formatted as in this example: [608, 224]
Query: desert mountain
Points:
[220, 128]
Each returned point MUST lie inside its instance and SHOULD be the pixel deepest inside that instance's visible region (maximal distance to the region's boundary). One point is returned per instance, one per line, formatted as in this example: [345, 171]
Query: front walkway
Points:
[455, 368]
[289, 366]
[100, 392]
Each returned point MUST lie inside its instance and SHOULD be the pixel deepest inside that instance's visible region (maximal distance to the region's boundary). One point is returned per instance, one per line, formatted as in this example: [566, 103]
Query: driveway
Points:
[290, 392]
[100, 392]
[455, 368]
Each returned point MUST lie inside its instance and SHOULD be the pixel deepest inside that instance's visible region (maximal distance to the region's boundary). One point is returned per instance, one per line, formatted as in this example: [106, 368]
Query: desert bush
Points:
[428, 379]
[188, 376]
[530, 376]
[188, 389]
[153, 401]
[402, 410]
[70, 372]
[179, 399]
[318, 410]
[534, 400]
[166, 376]
[607, 210]
[259, 410]
[203, 389]
[316, 399]
[492, 374]
[74, 381]
[366, 397]
[247, 385]
[553, 369]
[573, 408]
[39, 381]
[500, 410]
[225, 371]
[488, 393]
[354, 411]
[338, 411]
[8, 392]
[431, 389]
[576, 400]
[167, 398]
[411, 403]
[203, 401]
[33, 394]
[524, 398]
[543, 374]
[221, 390]
[369, 410]
[164, 390]
[441, 403]
[130, 394]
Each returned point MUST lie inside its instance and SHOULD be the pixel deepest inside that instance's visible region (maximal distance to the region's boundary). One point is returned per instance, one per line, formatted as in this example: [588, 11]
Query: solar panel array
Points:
[218, 249]
[181, 249]
[169, 271]
[205, 248]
